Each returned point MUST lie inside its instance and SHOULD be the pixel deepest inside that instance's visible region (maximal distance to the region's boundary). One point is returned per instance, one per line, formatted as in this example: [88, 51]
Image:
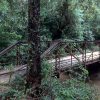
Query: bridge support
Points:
[18, 57]
[57, 63]
[99, 52]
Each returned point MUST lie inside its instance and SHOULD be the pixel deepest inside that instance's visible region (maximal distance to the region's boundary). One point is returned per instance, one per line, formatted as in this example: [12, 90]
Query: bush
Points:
[16, 90]
[18, 83]
[72, 89]
[52, 87]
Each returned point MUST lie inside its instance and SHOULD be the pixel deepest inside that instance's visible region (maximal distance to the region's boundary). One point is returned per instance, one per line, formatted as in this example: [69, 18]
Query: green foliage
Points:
[16, 90]
[13, 21]
[46, 69]
[79, 19]
[52, 87]
[72, 89]
[12, 95]
[18, 83]
[75, 18]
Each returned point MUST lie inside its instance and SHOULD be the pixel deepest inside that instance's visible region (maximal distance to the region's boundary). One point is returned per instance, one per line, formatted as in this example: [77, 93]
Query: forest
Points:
[49, 49]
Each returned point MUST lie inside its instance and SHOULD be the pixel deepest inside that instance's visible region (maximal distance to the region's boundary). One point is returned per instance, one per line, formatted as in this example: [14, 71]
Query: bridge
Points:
[60, 54]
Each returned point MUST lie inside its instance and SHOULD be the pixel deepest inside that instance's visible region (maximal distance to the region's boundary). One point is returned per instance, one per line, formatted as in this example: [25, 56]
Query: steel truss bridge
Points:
[60, 54]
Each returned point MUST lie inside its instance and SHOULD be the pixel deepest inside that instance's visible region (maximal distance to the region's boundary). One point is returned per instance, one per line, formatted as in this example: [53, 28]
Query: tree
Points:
[63, 19]
[75, 19]
[13, 21]
[34, 74]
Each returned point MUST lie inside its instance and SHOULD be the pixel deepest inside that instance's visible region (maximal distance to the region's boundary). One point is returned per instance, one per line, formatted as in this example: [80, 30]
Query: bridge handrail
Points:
[11, 47]
[53, 46]
[3, 52]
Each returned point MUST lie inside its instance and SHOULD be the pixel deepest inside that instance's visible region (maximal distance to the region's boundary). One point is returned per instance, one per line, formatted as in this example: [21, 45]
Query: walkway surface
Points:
[65, 63]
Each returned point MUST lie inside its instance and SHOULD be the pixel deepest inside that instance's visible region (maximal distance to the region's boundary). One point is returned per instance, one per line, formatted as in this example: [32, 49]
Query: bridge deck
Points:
[70, 61]
[65, 63]
[60, 63]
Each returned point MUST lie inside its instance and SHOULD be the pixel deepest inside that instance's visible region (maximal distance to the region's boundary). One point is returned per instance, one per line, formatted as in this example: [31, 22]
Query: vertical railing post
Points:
[58, 60]
[71, 57]
[83, 52]
[17, 55]
[56, 64]
[99, 50]
[92, 54]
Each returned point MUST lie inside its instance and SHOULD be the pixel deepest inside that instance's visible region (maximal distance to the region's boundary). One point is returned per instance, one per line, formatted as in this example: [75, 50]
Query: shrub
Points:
[72, 89]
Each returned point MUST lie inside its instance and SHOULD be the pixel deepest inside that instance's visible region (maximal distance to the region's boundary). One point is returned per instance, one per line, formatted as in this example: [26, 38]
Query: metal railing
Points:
[61, 53]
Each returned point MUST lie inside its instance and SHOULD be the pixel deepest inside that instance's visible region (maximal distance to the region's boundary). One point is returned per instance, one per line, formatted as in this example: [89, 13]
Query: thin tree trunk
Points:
[34, 70]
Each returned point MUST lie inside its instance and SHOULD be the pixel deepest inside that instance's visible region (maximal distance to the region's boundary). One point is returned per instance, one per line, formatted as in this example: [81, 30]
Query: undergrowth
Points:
[52, 87]
[72, 89]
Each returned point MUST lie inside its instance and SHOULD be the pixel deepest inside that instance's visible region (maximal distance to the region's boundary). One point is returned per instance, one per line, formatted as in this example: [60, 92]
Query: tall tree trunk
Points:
[34, 72]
